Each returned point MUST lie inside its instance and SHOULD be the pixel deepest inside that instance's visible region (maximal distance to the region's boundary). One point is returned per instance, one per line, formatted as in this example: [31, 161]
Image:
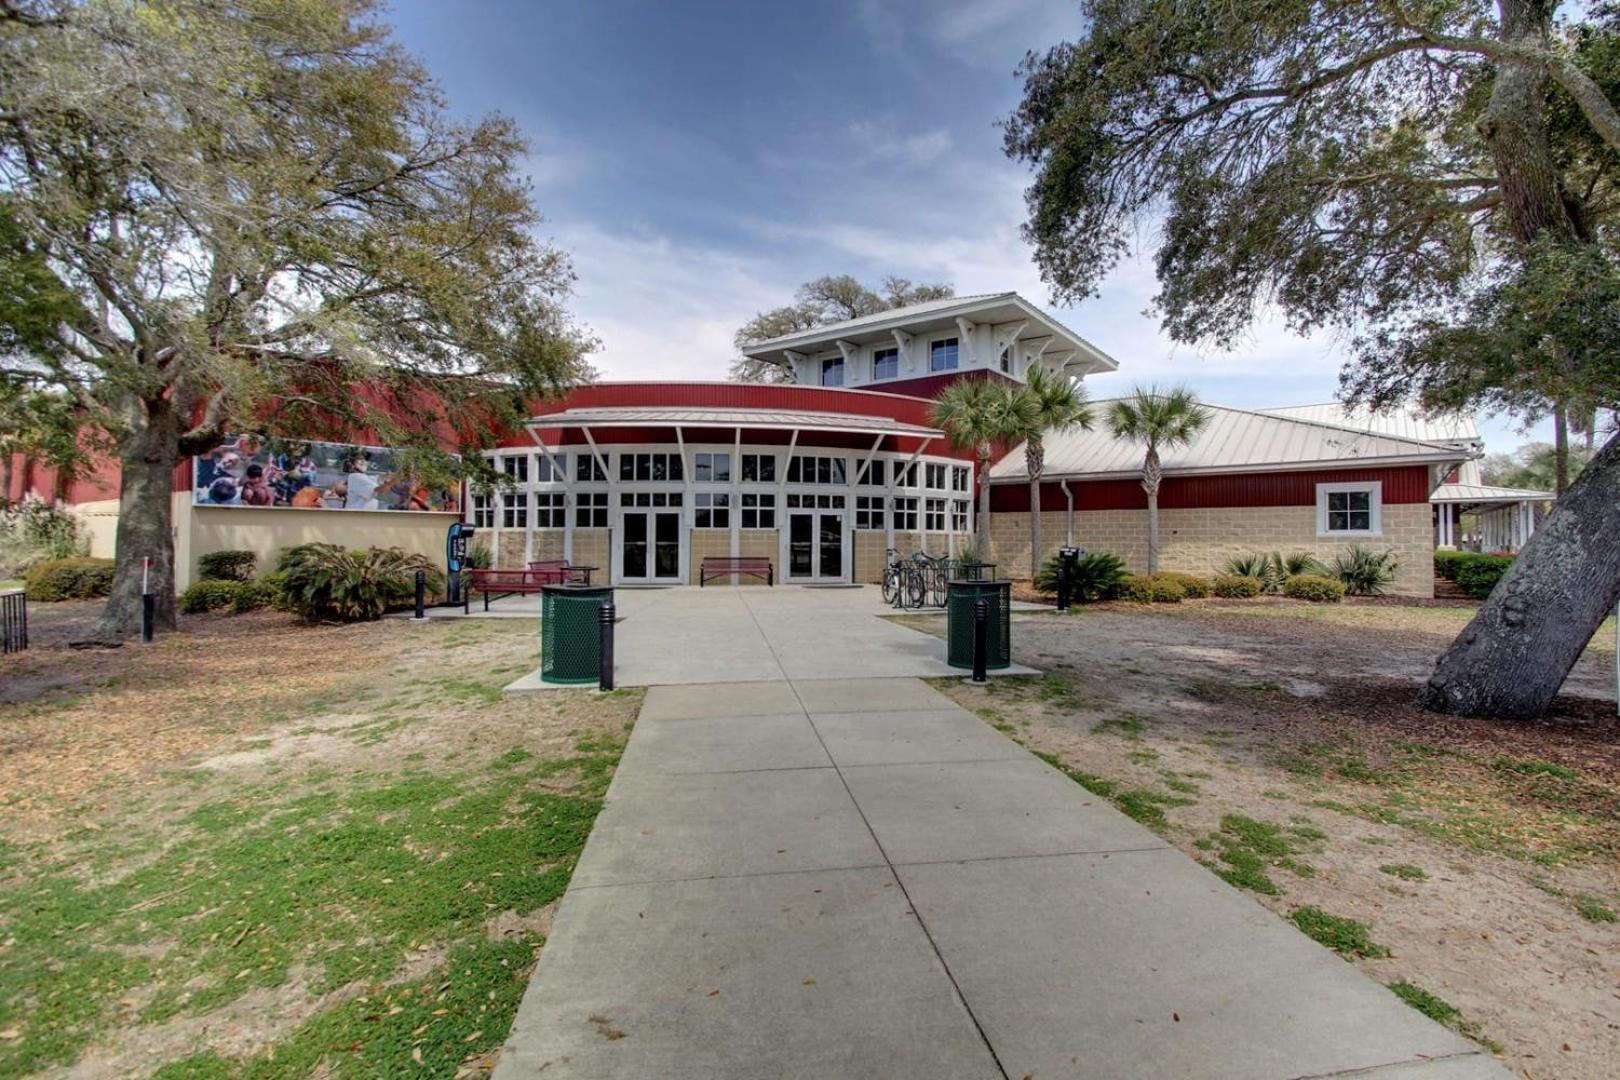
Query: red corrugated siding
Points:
[1403, 484]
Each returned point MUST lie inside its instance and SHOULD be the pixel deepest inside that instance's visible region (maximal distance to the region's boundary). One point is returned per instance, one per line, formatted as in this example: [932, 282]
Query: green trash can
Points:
[959, 623]
[571, 632]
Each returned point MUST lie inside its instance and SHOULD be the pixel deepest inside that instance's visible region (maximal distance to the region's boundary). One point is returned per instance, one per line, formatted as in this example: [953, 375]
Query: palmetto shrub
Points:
[330, 583]
[1315, 588]
[1097, 576]
[1237, 586]
[1274, 569]
[1364, 571]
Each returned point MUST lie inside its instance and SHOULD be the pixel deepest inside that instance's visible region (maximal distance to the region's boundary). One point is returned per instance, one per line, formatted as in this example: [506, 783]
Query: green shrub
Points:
[1447, 562]
[1479, 575]
[1237, 586]
[226, 565]
[328, 582]
[215, 594]
[479, 557]
[1195, 587]
[77, 578]
[1142, 589]
[1096, 576]
[1315, 588]
[1364, 571]
[209, 594]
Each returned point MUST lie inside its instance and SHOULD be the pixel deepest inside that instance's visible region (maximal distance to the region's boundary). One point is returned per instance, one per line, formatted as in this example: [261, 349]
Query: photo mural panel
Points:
[246, 470]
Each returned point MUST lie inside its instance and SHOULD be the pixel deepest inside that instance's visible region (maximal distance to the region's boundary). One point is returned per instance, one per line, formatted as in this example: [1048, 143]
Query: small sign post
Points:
[148, 601]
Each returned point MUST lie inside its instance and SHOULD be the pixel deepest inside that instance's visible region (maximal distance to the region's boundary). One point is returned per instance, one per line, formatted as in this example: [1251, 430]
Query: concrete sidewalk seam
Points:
[1037, 855]
[1374, 1070]
[732, 877]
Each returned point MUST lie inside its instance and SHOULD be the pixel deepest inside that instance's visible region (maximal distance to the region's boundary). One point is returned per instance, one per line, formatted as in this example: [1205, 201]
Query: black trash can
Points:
[570, 632]
[959, 623]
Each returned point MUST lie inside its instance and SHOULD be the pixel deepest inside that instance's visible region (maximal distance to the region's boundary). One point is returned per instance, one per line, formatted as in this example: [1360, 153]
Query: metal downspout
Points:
[1068, 497]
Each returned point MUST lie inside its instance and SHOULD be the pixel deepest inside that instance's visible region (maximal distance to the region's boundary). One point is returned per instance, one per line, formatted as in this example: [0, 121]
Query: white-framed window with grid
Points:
[550, 510]
[905, 474]
[515, 510]
[885, 363]
[871, 473]
[961, 515]
[1350, 509]
[711, 468]
[959, 477]
[587, 470]
[905, 513]
[655, 468]
[483, 510]
[711, 511]
[759, 468]
[943, 354]
[546, 473]
[815, 469]
[934, 515]
[516, 466]
[869, 512]
[591, 510]
[758, 511]
[934, 475]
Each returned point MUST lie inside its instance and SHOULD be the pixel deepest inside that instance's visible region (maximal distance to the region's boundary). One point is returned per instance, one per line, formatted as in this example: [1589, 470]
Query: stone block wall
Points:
[1199, 541]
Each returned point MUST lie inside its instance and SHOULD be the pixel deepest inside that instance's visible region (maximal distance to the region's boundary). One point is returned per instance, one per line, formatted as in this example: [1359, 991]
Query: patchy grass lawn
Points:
[260, 849]
[1473, 867]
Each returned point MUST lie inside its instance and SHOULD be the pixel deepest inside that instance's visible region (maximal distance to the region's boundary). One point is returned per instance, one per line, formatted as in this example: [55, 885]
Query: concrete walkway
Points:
[857, 878]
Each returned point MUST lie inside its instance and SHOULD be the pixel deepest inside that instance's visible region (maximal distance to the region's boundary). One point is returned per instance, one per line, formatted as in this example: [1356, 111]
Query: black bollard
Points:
[605, 649]
[981, 635]
[421, 594]
[148, 616]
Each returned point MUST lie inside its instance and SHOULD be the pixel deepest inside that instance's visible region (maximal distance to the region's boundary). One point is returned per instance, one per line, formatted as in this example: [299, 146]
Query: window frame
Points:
[758, 510]
[588, 470]
[591, 510]
[1374, 489]
[937, 346]
[762, 464]
[906, 512]
[515, 510]
[871, 513]
[830, 365]
[550, 509]
[711, 462]
[889, 356]
[711, 510]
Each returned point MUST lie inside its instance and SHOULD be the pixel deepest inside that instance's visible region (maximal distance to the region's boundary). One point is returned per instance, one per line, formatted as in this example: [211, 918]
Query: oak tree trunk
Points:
[1512, 658]
[1514, 655]
[147, 454]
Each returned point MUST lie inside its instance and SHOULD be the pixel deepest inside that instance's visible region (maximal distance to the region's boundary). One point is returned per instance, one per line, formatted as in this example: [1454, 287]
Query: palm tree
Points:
[1161, 420]
[1045, 404]
[975, 415]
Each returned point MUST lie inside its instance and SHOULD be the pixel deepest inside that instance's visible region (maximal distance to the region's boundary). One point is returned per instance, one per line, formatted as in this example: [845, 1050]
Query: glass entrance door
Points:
[815, 546]
[651, 549]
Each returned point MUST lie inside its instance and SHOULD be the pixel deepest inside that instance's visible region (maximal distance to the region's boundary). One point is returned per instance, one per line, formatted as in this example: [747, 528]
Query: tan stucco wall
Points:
[760, 543]
[266, 532]
[591, 548]
[1200, 541]
[98, 523]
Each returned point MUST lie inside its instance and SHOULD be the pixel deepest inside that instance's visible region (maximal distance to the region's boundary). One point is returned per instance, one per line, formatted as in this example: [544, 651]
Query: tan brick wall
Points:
[1200, 541]
[706, 542]
[759, 543]
[871, 547]
[592, 548]
[548, 544]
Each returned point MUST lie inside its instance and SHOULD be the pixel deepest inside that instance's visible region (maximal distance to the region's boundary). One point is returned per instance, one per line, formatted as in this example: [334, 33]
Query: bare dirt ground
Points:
[1276, 743]
[263, 847]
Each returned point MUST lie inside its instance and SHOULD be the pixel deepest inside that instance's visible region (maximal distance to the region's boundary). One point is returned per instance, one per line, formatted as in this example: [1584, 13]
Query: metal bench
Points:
[716, 566]
[504, 583]
[561, 571]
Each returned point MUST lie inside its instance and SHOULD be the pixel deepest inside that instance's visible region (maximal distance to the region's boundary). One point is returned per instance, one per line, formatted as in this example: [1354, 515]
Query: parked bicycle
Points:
[904, 583]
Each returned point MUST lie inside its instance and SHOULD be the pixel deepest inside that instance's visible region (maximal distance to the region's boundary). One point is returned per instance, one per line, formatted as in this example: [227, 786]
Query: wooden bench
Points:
[504, 583]
[716, 566]
[561, 571]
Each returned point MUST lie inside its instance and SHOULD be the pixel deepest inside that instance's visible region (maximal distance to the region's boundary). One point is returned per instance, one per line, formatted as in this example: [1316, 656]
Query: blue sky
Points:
[699, 159]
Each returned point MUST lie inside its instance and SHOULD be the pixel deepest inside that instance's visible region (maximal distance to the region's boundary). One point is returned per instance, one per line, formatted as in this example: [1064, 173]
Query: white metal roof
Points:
[1486, 493]
[993, 308]
[1401, 423]
[777, 419]
[1235, 440]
